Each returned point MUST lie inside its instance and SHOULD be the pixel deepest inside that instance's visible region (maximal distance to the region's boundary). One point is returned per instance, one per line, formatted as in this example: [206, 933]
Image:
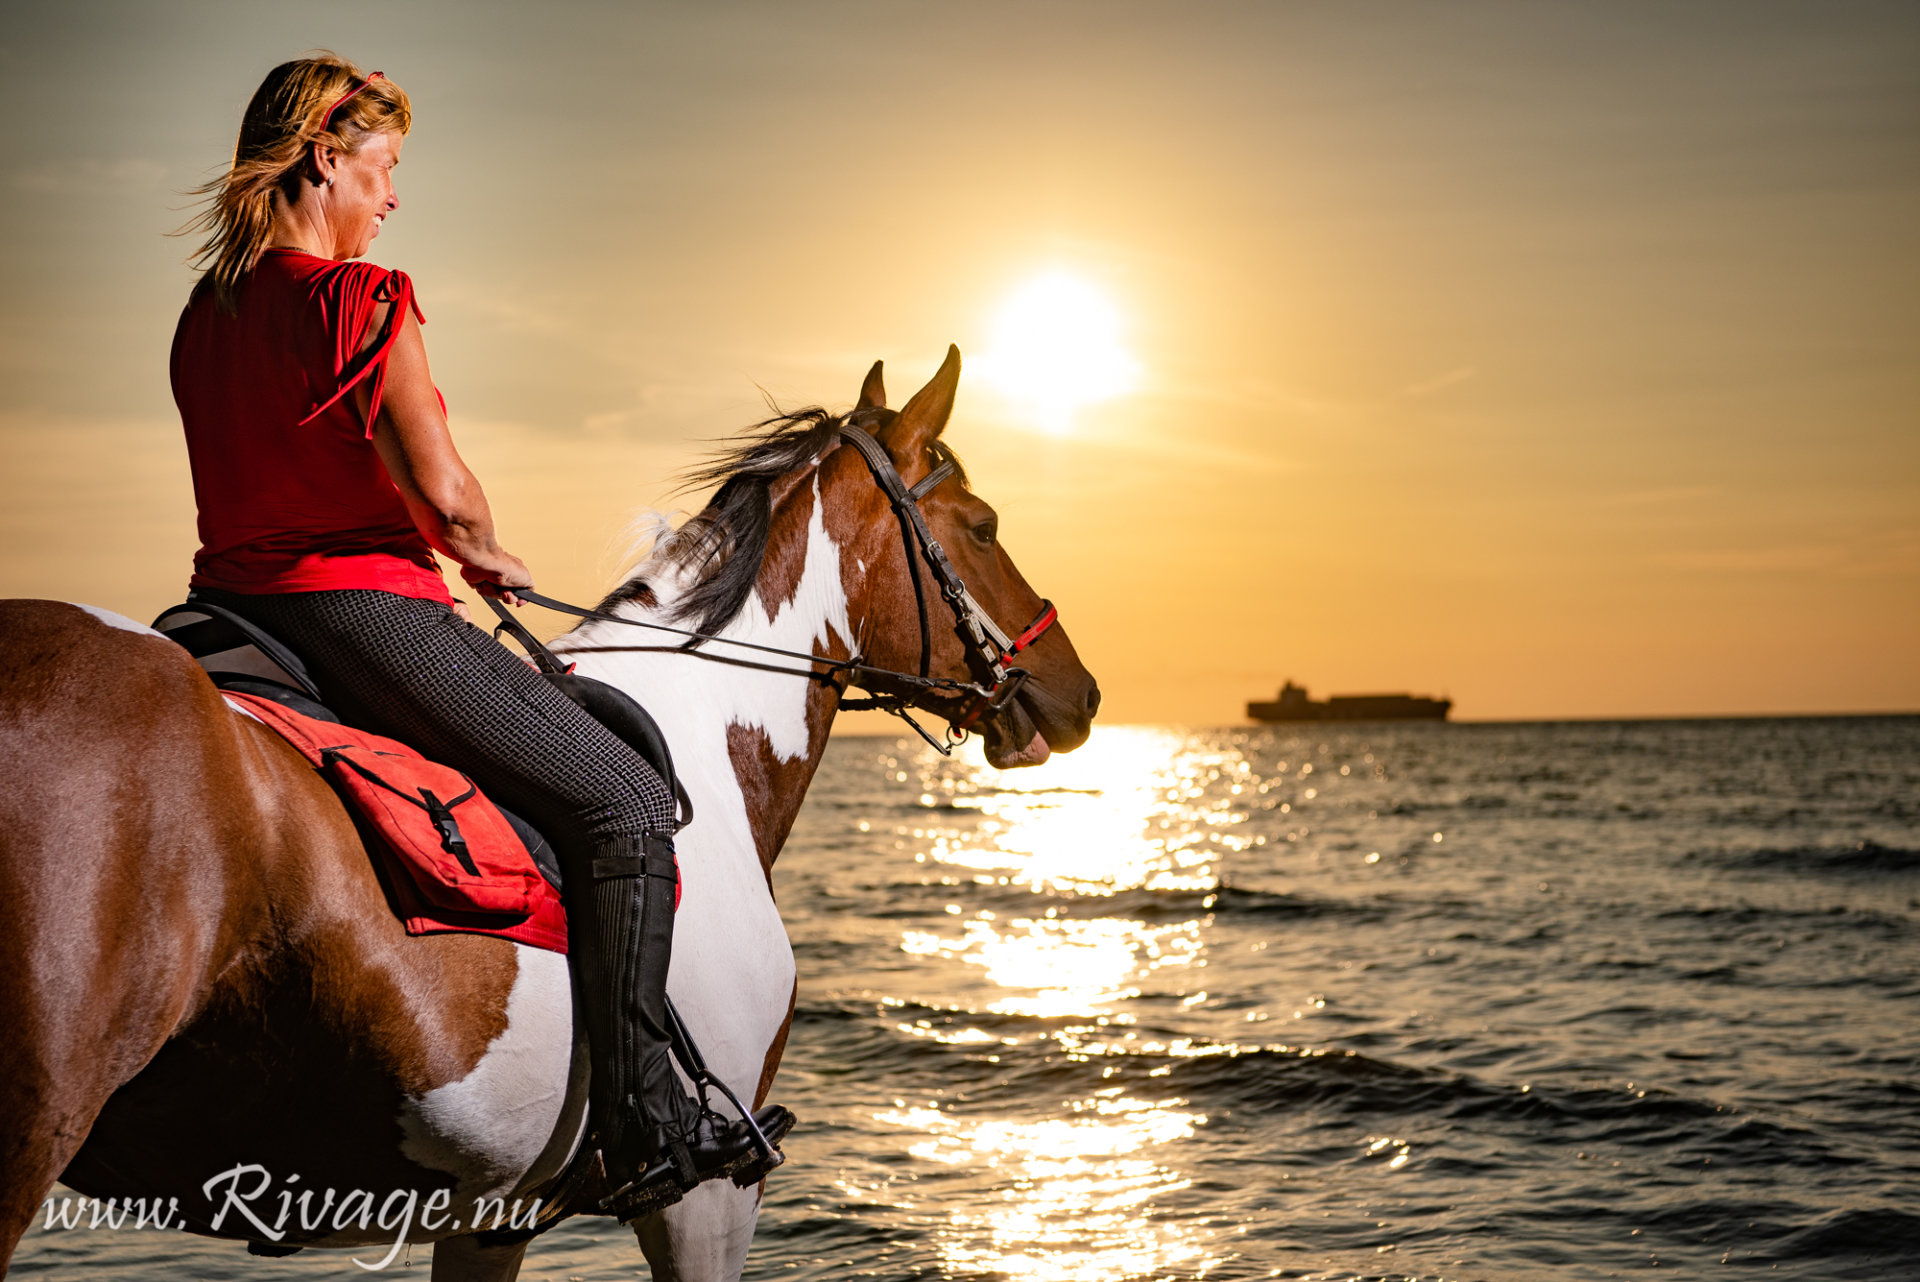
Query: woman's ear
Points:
[322, 160]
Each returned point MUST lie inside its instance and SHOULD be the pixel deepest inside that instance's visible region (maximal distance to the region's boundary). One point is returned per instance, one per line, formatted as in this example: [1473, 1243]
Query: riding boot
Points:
[655, 1141]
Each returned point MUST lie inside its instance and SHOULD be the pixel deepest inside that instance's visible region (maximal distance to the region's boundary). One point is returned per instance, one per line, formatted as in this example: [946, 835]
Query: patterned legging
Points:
[416, 671]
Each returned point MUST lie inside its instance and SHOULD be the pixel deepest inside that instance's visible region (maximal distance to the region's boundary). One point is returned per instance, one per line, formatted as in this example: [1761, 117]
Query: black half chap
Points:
[416, 671]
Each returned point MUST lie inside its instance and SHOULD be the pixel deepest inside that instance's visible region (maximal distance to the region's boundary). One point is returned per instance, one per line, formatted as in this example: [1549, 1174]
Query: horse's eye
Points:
[984, 532]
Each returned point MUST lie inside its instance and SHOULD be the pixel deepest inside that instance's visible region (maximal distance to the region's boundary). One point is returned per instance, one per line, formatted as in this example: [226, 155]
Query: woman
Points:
[326, 480]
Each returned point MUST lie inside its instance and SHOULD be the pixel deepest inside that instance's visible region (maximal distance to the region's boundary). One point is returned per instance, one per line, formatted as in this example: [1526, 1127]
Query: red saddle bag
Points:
[458, 862]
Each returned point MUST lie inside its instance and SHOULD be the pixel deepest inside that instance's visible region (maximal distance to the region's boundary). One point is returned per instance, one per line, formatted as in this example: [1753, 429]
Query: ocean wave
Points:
[1868, 1242]
[1861, 858]
[916, 899]
[1827, 920]
[1226, 900]
[1020, 1062]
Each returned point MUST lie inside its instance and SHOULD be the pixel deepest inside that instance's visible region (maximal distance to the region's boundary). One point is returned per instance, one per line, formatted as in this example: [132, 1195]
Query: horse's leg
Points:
[464, 1259]
[703, 1237]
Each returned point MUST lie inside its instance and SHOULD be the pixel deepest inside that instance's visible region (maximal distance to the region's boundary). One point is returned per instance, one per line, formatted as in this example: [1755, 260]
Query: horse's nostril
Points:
[1093, 698]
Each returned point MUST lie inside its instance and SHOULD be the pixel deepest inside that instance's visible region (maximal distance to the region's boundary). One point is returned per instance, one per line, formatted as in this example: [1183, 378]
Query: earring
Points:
[329, 182]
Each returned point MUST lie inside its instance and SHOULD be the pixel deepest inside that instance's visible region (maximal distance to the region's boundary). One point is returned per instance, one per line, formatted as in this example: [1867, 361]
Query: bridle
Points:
[989, 650]
[986, 645]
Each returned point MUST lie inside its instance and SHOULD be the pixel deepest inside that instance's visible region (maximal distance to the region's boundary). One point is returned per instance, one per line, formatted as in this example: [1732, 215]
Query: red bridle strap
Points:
[1035, 630]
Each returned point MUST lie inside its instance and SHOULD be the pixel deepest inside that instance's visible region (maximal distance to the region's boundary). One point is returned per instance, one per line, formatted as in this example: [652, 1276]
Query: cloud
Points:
[1258, 396]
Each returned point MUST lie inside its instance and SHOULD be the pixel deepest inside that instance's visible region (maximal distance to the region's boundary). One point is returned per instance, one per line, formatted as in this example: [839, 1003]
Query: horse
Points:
[209, 1004]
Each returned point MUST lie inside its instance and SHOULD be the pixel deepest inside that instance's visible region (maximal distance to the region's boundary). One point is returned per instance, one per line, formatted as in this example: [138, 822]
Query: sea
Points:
[1368, 1001]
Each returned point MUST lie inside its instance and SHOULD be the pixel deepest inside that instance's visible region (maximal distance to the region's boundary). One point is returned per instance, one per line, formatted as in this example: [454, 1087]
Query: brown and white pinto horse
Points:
[201, 979]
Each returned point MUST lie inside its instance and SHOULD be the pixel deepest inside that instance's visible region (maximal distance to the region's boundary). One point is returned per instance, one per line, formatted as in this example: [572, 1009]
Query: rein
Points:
[986, 645]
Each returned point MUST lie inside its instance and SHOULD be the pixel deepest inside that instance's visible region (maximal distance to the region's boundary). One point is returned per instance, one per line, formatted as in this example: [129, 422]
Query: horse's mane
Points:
[726, 541]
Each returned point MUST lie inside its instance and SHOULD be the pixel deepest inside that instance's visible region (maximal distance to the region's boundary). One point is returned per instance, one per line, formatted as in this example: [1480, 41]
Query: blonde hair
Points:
[287, 116]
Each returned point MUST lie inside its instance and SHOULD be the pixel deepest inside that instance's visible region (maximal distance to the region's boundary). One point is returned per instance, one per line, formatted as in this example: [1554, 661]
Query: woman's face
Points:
[362, 194]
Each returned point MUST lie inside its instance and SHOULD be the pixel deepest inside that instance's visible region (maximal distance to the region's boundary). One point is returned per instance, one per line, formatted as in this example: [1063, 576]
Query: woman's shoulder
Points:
[284, 280]
[314, 309]
[349, 299]
[357, 276]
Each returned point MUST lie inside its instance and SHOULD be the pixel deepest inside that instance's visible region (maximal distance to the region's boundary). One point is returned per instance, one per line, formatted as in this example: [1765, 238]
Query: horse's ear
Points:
[873, 393]
[921, 419]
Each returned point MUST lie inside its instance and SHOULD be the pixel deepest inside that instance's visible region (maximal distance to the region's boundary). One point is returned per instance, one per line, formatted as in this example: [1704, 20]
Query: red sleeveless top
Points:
[292, 495]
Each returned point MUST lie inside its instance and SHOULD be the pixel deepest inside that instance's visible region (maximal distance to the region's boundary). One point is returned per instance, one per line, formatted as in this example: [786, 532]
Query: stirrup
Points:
[673, 1174]
[770, 1125]
[766, 1152]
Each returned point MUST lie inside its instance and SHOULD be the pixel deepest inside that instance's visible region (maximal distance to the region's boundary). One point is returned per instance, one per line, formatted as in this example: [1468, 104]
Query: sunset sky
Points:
[1563, 358]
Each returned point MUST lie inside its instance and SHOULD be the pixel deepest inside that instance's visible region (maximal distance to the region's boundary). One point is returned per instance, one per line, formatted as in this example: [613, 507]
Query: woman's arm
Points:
[442, 495]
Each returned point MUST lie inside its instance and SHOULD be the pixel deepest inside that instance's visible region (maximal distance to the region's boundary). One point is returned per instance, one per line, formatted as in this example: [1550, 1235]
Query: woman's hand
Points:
[496, 572]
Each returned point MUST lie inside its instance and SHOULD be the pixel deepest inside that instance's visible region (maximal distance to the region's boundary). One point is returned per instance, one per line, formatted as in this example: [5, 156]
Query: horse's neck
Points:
[747, 732]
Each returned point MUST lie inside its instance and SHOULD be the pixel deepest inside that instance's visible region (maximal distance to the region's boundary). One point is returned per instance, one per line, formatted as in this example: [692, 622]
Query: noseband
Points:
[988, 649]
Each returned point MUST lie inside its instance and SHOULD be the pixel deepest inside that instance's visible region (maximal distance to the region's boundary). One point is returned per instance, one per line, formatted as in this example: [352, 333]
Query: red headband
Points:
[326, 122]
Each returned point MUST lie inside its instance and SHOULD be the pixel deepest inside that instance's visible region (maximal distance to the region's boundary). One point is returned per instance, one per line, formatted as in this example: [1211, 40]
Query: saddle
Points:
[450, 858]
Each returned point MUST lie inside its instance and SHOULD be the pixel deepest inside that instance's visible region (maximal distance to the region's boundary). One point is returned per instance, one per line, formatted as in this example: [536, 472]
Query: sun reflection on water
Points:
[1134, 812]
[1100, 820]
[1070, 1195]
[1074, 966]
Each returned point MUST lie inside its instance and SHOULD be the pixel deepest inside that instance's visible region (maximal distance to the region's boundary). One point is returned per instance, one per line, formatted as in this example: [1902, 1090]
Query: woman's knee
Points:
[645, 805]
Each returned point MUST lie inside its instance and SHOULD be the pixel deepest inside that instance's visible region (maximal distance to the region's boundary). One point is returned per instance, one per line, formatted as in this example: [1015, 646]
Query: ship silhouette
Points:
[1293, 705]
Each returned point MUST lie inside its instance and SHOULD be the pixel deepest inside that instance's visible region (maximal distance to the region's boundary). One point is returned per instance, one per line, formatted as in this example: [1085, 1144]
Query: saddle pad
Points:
[452, 861]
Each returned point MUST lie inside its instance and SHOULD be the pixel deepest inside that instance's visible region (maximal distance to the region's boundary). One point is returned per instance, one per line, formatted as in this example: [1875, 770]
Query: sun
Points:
[1056, 347]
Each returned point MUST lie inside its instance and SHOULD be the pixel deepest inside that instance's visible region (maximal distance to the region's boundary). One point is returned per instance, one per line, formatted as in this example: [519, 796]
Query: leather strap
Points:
[543, 658]
[657, 860]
